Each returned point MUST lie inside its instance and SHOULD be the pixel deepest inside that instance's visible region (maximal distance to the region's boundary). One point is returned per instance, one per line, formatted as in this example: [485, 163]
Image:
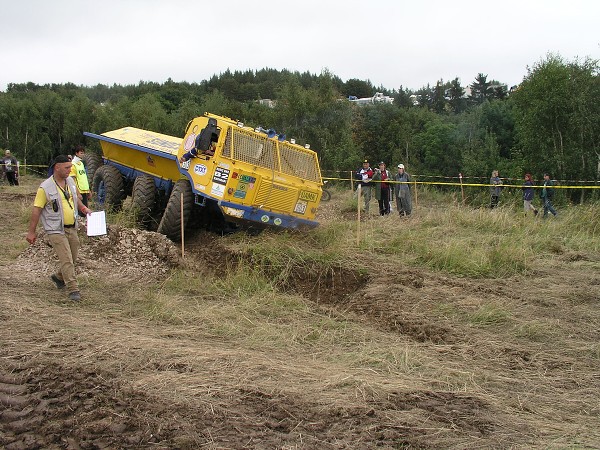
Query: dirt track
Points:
[98, 375]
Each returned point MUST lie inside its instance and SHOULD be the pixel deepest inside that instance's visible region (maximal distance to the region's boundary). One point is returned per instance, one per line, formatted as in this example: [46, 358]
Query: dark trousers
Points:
[384, 202]
[12, 179]
[494, 201]
[84, 200]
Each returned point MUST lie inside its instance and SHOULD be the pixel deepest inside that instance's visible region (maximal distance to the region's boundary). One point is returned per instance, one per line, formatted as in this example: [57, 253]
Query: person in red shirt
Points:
[382, 188]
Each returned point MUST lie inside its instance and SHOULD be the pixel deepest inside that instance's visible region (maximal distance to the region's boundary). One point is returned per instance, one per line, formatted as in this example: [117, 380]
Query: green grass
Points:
[455, 239]
[489, 315]
[536, 331]
[481, 242]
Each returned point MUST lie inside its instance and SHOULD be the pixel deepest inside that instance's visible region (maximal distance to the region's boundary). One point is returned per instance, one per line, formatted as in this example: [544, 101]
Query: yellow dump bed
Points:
[141, 150]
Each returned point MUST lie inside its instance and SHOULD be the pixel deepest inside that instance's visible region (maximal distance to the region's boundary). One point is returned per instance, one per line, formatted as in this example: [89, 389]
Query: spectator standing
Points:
[402, 191]
[495, 189]
[547, 194]
[364, 176]
[528, 195]
[56, 203]
[10, 168]
[381, 179]
[79, 174]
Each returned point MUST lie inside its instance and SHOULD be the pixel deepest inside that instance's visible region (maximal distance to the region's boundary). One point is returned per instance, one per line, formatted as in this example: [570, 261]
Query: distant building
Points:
[267, 102]
[377, 98]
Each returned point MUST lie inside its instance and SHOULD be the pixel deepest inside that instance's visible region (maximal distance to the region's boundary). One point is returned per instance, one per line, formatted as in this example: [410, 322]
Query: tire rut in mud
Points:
[49, 407]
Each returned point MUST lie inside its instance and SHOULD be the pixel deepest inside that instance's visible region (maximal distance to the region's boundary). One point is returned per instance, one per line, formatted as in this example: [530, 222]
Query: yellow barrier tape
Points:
[439, 183]
[472, 177]
[31, 165]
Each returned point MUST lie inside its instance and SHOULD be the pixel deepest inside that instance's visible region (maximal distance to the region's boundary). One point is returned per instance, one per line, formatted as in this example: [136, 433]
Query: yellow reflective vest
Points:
[81, 180]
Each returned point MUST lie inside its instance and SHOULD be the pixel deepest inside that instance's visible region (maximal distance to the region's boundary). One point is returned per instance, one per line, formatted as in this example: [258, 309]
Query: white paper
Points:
[96, 223]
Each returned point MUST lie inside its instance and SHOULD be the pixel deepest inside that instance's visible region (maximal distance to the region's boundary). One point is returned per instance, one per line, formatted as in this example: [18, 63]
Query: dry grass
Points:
[457, 328]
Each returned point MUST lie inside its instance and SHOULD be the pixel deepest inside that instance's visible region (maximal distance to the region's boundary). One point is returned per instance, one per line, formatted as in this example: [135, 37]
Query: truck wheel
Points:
[92, 162]
[170, 224]
[108, 188]
[143, 198]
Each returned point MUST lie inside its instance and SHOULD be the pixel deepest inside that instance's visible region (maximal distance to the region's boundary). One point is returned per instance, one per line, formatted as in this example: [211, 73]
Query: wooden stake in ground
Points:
[416, 195]
[182, 226]
[462, 189]
[358, 207]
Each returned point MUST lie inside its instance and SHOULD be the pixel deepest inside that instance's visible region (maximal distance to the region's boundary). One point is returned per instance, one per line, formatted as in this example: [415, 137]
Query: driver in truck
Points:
[206, 142]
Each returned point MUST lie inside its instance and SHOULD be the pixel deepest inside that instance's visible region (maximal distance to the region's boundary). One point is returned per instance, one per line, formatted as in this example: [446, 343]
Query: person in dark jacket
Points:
[10, 168]
[547, 194]
[528, 195]
[364, 176]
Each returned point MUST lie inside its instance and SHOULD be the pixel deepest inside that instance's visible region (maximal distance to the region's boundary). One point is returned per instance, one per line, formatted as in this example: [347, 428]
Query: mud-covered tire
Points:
[325, 196]
[143, 199]
[108, 188]
[92, 162]
[170, 224]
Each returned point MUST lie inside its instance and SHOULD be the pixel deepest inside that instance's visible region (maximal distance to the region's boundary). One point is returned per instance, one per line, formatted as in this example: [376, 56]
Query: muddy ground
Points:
[89, 376]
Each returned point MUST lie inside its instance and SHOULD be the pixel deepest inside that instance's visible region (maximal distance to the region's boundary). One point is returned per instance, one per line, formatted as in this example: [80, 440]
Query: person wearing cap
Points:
[402, 191]
[79, 175]
[10, 168]
[51, 165]
[495, 189]
[364, 175]
[547, 194]
[56, 203]
[381, 180]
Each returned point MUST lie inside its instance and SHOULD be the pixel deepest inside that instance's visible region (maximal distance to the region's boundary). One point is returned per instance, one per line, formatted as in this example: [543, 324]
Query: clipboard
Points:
[96, 223]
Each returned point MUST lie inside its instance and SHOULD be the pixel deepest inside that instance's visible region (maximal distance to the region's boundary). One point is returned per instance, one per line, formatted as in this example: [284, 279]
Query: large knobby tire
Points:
[92, 162]
[170, 224]
[143, 199]
[108, 188]
[326, 196]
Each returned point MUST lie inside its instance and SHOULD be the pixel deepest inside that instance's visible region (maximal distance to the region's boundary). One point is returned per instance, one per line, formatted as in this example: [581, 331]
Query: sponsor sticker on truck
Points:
[308, 196]
[300, 207]
[200, 169]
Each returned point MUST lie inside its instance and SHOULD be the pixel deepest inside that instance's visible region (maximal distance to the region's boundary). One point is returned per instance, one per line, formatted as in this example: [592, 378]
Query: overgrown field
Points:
[456, 328]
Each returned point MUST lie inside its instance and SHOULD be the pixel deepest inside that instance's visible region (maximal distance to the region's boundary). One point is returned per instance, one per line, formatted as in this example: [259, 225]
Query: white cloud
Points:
[389, 42]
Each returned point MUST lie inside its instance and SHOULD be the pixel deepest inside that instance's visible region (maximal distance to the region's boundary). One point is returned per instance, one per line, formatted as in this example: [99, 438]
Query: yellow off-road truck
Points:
[225, 174]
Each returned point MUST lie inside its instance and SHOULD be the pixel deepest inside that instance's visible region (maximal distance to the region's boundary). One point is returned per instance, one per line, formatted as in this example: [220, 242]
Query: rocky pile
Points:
[126, 253]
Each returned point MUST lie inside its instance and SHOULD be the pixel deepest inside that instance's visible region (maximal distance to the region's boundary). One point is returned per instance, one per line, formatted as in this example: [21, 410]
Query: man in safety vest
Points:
[56, 204]
[79, 174]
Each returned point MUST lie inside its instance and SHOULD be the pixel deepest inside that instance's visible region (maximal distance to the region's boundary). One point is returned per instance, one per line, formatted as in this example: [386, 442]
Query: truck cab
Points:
[253, 174]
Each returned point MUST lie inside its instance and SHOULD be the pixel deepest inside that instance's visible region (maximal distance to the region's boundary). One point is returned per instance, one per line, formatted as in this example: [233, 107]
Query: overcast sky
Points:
[392, 43]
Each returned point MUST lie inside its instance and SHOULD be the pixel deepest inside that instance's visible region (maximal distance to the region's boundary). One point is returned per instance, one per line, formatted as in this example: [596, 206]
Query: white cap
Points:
[400, 166]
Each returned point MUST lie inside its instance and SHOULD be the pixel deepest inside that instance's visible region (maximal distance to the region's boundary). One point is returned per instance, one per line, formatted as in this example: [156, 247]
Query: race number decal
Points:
[221, 176]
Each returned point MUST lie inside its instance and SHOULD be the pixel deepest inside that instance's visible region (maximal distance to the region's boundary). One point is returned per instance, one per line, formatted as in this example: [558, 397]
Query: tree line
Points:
[550, 122]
